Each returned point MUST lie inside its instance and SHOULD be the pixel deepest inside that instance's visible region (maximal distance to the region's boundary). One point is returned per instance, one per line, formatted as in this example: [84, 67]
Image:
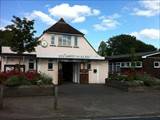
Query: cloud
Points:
[42, 16]
[147, 8]
[2, 28]
[75, 13]
[84, 31]
[153, 34]
[107, 23]
[79, 19]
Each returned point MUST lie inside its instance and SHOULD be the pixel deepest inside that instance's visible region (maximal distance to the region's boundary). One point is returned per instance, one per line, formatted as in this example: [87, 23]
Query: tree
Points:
[22, 36]
[122, 44]
[102, 49]
[5, 38]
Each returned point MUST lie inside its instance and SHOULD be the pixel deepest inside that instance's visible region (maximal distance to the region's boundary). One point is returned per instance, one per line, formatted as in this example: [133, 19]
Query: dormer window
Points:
[53, 40]
[64, 40]
[75, 41]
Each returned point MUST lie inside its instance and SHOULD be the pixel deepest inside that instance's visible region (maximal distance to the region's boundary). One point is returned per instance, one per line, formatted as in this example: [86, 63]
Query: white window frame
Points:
[137, 65]
[76, 41]
[65, 41]
[52, 41]
[158, 64]
[129, 66]
[125, 65]
[50, 61]
[31, 61]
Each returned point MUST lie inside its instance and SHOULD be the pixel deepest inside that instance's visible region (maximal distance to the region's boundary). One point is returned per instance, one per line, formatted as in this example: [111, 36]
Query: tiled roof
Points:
[62, 27]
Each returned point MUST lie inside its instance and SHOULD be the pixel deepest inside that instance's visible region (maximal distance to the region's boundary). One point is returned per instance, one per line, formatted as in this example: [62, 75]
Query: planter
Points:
[30, 90]
[143, 89]
[123, 86]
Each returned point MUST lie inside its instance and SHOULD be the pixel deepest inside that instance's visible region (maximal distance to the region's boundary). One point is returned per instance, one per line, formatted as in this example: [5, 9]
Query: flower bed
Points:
[16, 78]
[136, 82]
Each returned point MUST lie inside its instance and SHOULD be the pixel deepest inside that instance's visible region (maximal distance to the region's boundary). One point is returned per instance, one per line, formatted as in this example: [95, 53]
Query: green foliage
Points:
[17, 81]
[44, 79]
[148, 80]
[134, 83]
[5, 38]
[136, 80]
[102, 49]
[118, 77]
[122, 44]
[22, 35]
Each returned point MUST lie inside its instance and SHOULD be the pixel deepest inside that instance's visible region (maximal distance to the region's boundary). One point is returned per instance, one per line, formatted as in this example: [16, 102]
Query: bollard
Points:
[55, 97]
[1, 96]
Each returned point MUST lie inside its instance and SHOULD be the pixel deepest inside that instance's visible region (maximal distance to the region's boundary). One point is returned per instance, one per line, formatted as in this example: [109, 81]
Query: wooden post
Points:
[1, 96]
[55, 97]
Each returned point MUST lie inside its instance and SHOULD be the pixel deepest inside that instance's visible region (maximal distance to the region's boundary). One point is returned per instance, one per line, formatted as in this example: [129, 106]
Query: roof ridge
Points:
[62, 27]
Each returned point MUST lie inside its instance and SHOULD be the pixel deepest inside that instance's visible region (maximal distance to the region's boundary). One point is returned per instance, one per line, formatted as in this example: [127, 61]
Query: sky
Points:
[97, 19]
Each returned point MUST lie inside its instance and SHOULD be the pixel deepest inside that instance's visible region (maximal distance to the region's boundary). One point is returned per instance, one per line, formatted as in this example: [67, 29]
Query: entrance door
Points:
[65, 72]
[84, 74]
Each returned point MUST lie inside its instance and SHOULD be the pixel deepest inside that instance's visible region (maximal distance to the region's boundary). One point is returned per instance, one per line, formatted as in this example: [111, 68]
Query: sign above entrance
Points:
[79, 57]
[74, 56]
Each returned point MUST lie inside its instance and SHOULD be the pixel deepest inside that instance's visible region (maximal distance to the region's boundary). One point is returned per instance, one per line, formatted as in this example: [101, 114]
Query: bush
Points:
[148, 80]
[118, 77]
[17, 81]
[44, 79]
[136, 80]
[16, 78]
[135, 83]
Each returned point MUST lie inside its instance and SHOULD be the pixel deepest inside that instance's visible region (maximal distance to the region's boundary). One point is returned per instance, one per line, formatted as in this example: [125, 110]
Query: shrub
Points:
[17, 81]
[136, 79]
[44, 79]
[135, 83]
[148, 80]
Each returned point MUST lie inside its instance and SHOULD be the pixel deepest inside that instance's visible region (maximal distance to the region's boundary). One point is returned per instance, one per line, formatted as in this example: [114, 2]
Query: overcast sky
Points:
[97, 19]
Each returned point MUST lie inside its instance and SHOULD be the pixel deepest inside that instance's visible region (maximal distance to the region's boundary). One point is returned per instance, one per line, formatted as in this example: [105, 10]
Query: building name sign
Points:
[74, 56]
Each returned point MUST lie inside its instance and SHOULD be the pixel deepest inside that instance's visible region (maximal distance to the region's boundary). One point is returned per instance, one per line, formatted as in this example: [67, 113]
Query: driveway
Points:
[83, 101]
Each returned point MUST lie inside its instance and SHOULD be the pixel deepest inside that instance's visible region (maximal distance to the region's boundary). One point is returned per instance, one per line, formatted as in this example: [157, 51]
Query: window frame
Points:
[64, 40]
[50, 62]
[138, 66]
[158, 64]
[31, 61]
[75, 41]
[52, 36]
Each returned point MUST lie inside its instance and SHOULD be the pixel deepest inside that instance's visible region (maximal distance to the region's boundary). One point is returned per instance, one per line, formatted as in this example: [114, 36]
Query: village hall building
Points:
[64, 54]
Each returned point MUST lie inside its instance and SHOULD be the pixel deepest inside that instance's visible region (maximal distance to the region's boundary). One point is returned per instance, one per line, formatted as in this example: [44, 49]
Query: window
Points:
[138, 64]
[125, 64]
[117, 67]
[64, 40]
[75, 41]
[89, 66]
[50, 65]
[122, 64]
[157, 64]
[31, 64]
[52, 39]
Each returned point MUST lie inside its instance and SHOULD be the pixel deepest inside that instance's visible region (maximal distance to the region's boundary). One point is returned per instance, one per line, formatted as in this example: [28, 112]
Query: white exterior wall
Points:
[102, 72]
[43, 68]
